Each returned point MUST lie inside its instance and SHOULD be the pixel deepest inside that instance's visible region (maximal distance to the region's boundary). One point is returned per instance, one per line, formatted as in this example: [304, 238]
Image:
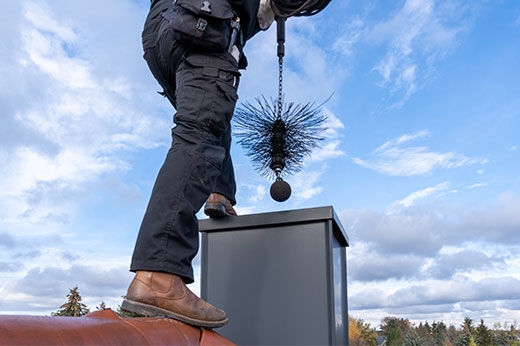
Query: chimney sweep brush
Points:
[278, 135]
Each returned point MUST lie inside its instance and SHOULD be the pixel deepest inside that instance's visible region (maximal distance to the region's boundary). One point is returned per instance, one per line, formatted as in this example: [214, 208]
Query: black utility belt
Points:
[209, 25]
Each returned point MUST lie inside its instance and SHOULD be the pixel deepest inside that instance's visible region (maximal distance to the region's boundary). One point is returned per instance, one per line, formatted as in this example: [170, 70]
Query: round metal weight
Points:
[280, 191]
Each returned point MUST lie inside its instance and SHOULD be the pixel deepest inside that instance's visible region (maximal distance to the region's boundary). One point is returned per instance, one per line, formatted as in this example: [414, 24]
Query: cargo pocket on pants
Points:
[190, 93]
[229, 97]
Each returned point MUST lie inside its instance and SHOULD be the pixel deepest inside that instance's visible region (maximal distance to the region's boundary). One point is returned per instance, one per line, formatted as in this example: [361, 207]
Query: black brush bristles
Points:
[271, 141]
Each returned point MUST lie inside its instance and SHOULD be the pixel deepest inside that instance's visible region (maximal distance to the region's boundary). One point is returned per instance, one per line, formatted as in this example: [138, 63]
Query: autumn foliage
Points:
[360, 333]
[395, 331]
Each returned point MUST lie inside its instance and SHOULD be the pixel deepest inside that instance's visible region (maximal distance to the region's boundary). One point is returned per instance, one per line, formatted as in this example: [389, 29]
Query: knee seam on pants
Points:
[171, 221]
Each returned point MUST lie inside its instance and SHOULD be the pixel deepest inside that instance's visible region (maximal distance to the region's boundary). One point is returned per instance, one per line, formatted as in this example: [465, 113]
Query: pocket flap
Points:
[228, 90]
[197, 60]
[205, 60]
[220, 9]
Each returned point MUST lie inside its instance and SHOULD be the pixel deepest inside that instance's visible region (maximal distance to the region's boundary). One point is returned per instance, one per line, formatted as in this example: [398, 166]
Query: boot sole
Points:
[154, 311]
[215, 210]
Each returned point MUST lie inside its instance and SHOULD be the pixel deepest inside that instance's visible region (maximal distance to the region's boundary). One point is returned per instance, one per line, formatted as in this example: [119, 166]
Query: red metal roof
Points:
[103, 328]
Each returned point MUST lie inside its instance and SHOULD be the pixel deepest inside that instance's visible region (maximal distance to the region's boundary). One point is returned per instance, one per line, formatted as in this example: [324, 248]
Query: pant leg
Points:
[226, 180]
[206, 95]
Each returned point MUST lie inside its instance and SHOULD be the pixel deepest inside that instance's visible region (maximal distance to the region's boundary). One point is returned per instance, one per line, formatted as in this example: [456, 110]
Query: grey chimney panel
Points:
[280, 282]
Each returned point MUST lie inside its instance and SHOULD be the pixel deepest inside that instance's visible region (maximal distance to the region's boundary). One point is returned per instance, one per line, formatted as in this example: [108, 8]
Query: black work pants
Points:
[203, 89]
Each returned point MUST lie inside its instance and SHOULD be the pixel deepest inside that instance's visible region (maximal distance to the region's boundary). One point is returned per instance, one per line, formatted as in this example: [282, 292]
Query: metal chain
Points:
[280, 81]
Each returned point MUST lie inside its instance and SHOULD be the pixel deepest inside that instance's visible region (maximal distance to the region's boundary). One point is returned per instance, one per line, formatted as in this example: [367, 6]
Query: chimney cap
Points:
[277, 218]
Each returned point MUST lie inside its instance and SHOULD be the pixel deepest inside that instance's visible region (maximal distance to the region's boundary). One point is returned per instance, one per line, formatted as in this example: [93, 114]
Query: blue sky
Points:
[421, 160]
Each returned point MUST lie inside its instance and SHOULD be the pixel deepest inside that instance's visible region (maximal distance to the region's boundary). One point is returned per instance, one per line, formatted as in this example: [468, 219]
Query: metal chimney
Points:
[280, 277]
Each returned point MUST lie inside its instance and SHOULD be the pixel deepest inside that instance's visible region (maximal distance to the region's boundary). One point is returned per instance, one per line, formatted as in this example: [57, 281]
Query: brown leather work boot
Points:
[218, 205]
[164, 294]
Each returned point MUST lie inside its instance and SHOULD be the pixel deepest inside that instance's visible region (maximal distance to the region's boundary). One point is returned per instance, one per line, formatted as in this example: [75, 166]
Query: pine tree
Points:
[73, 307]
[468, 325]
[425, 334]
[102, 306]
[439, 333]
[412, 339]
[482, 335]
[464, 339]
[500, 337]
[394, 329]
[452, 334]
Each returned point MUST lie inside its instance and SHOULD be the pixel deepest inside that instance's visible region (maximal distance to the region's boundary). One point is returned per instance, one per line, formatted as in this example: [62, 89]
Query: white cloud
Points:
[246, 210]
[498, 288]
[328, 151]
[40, 17]
[259, 194]
[309, 75]
[95, 282]
[446, 265]
[417, 195]
[7, 267]
[7, 240]
[404, 139]
[333, 125]
[366, 265]
[84, 117]
[308, 65]
[48, 55]
[474, 186]
[394, 159]
[417, 36]
[304, 184]
[424, 261]
[498, 224]
[351, 35]
[75, 114]
[426, 229]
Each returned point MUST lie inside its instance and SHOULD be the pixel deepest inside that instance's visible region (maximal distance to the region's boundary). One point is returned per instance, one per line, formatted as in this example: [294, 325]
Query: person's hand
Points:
[265, 14]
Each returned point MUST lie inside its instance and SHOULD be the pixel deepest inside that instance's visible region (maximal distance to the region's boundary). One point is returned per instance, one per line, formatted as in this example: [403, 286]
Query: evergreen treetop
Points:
[73, 307]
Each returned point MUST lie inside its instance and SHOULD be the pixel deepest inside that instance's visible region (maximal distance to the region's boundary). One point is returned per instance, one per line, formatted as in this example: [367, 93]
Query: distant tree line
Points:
[395, 331]
[392, 331]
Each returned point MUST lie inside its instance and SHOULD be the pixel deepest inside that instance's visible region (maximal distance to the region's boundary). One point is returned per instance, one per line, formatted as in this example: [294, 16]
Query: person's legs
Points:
[202, 88]
[206, 95]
